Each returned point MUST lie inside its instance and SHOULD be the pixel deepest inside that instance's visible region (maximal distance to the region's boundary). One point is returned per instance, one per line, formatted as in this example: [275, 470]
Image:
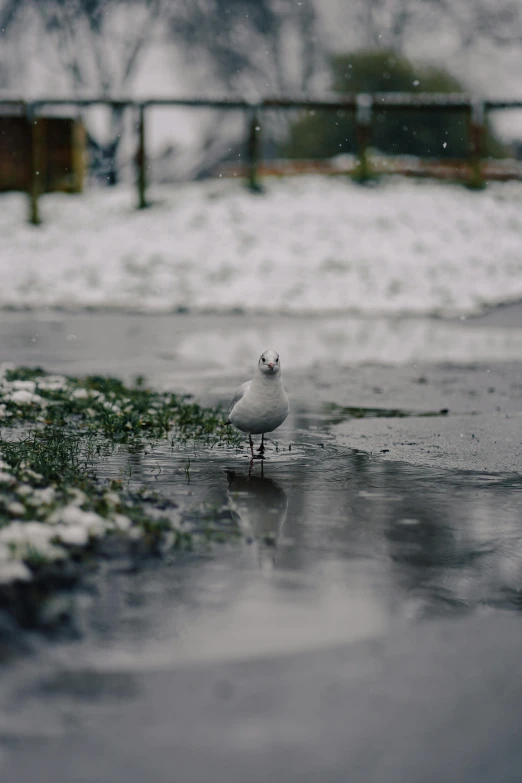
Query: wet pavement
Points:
[194, 351]
[365, 625]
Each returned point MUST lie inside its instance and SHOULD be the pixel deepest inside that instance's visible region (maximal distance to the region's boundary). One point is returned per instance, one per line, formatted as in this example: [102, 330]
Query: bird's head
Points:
[269, 363]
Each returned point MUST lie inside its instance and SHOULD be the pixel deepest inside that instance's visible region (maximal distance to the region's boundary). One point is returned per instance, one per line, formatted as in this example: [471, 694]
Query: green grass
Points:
[106, 408]
[342, 412]
[56, 456]
[55, 432]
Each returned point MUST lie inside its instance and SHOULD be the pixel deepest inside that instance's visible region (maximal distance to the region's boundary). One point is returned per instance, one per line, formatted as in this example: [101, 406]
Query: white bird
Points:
[260, 405]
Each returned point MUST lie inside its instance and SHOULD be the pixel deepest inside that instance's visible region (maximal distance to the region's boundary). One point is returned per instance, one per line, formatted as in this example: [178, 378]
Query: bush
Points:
[325, 134]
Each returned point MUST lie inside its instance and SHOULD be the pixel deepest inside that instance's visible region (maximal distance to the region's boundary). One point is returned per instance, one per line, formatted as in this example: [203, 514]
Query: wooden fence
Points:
[362, 105]
[40, 154]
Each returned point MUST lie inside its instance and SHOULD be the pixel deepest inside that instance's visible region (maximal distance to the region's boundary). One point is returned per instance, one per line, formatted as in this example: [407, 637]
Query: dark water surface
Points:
[364, 626]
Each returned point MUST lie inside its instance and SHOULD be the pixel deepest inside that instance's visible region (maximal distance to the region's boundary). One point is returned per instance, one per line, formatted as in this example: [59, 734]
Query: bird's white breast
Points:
[262, 409]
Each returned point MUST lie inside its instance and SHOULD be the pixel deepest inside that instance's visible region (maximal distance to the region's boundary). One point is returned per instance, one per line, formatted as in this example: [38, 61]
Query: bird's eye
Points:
[263, 359]
[277, 359]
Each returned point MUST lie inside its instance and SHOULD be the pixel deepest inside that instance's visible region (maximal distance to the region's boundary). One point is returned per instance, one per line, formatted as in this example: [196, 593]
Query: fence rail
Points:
[361, 104]
[387, 100]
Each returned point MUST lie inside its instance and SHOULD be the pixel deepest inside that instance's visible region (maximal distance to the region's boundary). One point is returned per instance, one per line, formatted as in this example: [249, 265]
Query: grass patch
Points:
[340, 413]
[105, 407]
[55, 511]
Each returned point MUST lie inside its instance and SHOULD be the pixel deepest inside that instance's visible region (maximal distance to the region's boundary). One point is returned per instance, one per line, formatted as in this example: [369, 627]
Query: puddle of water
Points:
[337, 547]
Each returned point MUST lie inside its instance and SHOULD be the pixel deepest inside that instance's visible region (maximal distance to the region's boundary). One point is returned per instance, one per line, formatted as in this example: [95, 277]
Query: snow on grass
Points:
[52, 502]
[309, 244]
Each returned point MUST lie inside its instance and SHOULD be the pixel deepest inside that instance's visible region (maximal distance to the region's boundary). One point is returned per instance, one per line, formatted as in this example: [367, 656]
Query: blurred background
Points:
[263, 71]
[259, 48]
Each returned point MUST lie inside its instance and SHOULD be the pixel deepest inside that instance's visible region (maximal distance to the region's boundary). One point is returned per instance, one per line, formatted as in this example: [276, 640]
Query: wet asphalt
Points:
[365, 625]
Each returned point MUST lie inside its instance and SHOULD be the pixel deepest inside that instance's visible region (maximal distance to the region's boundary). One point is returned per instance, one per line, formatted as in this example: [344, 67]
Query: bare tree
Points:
[393, 23]
[496, 21]
[10, 15]
[250, 45]
[250, 48]
[383, 24]
[9, 10]
[99, 43]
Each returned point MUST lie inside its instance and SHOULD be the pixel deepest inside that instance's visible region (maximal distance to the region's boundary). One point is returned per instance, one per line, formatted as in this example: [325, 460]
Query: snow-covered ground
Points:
[309, 244]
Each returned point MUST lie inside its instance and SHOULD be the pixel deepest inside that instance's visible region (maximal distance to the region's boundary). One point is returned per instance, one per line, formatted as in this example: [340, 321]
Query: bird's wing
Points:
[238, 394]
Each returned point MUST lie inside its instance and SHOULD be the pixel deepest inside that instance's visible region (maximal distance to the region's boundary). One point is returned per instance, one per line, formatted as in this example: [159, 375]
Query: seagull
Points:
[260, 405]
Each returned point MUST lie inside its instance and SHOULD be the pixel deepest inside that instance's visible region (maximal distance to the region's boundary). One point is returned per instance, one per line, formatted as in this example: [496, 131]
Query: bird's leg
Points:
[261, 449]
[251, 443]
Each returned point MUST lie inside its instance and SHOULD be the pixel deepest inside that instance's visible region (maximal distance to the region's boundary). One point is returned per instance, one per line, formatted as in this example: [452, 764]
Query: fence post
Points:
[36, 162]
[141, 160]
[78, 154]
[363, 121]
[253, 153]
[477, 133]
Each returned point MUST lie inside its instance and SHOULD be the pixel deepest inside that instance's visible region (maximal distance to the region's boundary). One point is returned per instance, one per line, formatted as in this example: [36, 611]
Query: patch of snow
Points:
[52, 383]
[92, 523]
[80, 394]
[41, 497]
[121, 522]
[112, 498]
[25, 397]
[24, 538]
[73, 535]
[14, 571]
[78, 498]
[24, 490]
[110, 406]
[309, 244]
[32, 474]
[29, 386]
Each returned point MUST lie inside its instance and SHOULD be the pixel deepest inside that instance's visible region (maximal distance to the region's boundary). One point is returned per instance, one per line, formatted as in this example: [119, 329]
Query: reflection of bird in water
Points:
[259, 505]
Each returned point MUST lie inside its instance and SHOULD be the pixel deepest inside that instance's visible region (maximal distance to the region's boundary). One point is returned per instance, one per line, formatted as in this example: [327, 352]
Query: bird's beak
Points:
[271, 366]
